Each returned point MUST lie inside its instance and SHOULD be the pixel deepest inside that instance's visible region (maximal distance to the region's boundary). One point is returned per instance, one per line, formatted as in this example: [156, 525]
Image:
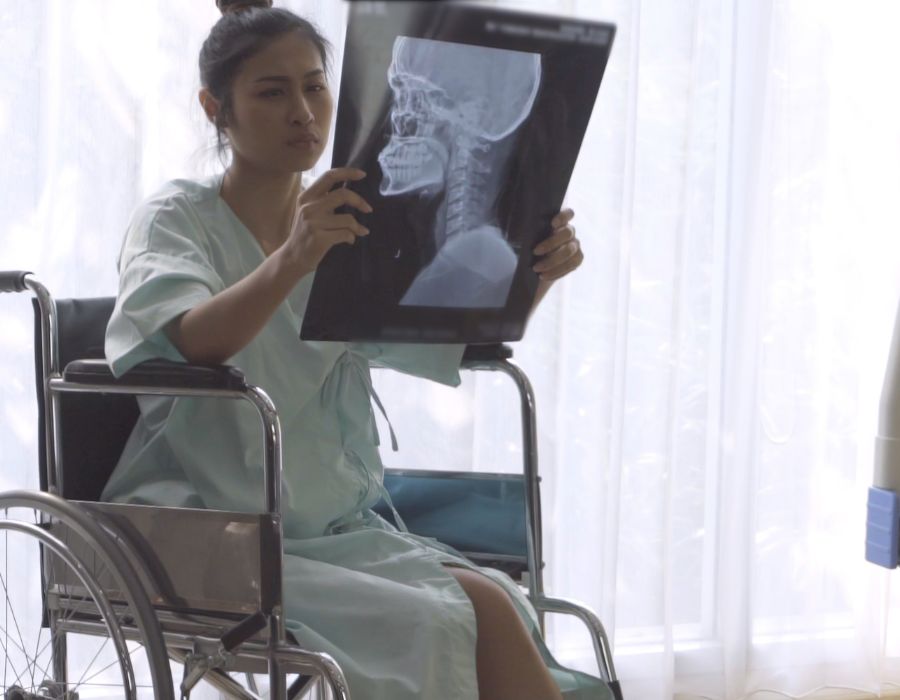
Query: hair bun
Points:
[226, 7]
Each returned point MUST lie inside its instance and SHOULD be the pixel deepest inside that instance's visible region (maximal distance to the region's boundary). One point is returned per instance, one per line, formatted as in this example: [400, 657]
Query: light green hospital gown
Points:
[378, 599]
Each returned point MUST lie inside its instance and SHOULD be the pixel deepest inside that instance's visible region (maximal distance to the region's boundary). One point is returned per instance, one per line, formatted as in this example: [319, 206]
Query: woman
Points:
[220, 270]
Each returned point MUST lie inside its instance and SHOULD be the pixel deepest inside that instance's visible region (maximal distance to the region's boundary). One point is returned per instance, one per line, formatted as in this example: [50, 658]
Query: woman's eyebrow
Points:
[286, 79]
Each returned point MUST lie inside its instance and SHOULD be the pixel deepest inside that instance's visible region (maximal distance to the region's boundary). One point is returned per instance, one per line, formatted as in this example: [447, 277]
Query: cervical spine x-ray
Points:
[455, 112]
[467, 120]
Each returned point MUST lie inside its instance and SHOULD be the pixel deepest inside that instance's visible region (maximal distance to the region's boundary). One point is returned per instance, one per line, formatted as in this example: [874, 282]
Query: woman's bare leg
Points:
[508, 662]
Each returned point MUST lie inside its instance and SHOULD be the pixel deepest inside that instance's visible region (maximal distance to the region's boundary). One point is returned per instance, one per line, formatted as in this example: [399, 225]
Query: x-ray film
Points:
[468, 121]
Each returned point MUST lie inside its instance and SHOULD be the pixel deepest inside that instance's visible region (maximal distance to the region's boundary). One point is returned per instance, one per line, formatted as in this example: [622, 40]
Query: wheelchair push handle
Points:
[13, 281]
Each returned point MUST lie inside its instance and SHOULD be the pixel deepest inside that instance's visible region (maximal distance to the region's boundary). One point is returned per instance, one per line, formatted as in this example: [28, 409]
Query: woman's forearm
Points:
[217, 329]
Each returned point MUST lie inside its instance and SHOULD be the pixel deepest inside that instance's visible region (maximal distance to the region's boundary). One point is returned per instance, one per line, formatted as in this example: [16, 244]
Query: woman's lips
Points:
[303, 141]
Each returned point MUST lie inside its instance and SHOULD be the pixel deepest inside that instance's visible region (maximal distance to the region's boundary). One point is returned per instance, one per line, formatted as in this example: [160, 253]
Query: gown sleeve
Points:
[164, 270]
[439, 363]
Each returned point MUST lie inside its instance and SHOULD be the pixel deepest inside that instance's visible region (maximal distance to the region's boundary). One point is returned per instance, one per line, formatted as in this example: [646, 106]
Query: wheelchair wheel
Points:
[75, 622]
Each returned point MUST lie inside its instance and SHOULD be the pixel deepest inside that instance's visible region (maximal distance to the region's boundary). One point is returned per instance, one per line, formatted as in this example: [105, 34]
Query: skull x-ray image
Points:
[468, 121]
[455, 111]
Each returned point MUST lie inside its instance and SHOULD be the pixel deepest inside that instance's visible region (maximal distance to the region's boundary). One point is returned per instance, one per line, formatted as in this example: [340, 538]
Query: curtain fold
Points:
[707, 382]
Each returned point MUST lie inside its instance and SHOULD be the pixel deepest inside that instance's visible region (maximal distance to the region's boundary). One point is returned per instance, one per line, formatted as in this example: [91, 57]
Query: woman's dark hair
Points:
[246, 27]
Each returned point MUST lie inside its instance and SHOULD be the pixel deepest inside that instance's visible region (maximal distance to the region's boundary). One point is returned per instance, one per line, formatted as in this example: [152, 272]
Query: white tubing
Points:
[887, 440]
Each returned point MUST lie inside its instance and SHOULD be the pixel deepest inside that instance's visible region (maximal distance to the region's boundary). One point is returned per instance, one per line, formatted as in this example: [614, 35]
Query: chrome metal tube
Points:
[51, 369]
[277, 680]
[60, 650]
[529, 466]
[602, 648]
[532, 479]
[271, 425]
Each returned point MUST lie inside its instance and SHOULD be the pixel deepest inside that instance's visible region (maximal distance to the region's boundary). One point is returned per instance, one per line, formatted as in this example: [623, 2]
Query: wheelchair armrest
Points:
[13, 281]
[166, 378]
[602, 647]
[487, 352]
[157, 373]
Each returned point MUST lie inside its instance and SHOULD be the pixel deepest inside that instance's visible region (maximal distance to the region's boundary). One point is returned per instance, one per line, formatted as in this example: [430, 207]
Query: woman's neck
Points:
[265, 203]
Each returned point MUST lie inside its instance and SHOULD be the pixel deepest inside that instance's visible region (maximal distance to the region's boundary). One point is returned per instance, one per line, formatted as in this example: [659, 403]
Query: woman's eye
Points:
[274, 92]
[316, 88]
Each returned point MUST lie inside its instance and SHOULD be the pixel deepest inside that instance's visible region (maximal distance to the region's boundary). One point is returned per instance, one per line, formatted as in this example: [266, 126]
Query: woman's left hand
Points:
[560, 252]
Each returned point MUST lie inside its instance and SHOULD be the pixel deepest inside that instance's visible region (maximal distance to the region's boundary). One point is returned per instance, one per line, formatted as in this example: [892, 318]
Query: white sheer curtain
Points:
[707, 383]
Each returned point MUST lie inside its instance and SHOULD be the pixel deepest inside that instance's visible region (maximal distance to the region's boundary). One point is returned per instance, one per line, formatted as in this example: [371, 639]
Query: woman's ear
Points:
[210, 105]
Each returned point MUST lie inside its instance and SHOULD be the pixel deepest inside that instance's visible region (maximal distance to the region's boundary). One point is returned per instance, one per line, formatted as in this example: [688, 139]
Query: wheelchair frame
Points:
[243, 630]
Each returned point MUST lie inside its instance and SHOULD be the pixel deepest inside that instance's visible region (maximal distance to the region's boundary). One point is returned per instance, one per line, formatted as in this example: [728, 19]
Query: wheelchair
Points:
[116, 595]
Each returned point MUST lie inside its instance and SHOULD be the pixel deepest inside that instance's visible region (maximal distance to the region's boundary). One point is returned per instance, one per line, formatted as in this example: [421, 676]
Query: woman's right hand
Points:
[316, 226]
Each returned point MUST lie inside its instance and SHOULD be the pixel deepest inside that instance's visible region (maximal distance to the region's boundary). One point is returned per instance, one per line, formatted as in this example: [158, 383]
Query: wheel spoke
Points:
[39, 654]
[36, 665]
[15, 622]
[6, 612]
[14, 670]
[109, 665]
[102, 647]
[16, 645]
[37, 645]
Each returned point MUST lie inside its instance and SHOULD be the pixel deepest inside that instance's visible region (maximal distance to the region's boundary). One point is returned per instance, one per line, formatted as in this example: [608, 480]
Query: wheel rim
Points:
[101, 660]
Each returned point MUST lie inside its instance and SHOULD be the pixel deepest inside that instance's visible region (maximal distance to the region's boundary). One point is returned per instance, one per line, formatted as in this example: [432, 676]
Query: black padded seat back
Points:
[93, 428]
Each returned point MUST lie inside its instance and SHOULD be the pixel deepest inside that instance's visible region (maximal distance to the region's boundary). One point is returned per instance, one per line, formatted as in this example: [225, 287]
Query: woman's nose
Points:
[302, 114]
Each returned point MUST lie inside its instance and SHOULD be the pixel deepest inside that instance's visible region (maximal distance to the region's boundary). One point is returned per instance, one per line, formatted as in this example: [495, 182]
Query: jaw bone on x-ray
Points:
[455, 113]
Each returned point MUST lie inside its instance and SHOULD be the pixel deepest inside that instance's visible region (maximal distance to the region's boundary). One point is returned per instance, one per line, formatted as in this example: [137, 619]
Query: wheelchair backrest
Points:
[92, 428]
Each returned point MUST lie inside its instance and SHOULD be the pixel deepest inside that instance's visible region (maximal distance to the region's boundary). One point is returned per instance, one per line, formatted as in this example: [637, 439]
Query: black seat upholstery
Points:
[93, 427]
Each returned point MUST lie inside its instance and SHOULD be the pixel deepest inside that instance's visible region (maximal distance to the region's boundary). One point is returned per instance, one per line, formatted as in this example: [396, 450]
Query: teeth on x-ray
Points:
[414, 163]
[455, 111]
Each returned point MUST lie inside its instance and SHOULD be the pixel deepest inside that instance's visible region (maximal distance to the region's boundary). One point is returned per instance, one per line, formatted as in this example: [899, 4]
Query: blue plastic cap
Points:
[883, 528]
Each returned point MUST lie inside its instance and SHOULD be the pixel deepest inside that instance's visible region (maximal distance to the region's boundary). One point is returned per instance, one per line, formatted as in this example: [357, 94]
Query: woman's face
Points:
[281, 107]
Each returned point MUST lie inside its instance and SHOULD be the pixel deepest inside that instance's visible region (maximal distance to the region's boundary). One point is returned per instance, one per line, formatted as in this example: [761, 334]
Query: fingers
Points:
[561, 251]
[328, 180]
[561, 262]
[340, 197]
[344, 222]
[328, 202]
[342, 235]
[323, 232]
[561, 219]
[558, 256]
[559, 237]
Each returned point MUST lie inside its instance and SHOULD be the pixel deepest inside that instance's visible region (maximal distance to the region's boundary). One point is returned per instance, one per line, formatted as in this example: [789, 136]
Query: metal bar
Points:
[272, 435]
[532, 479]
[529, 468]
[62, 386]
[292, 659]
[51, 369]
[277, 680]
[440, 474]
[602, 648]
[59, 650]
[302, 685]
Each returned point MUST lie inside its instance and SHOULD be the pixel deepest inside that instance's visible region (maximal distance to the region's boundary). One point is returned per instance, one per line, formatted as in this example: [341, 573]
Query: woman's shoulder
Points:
[182, 194]
[182, 205]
